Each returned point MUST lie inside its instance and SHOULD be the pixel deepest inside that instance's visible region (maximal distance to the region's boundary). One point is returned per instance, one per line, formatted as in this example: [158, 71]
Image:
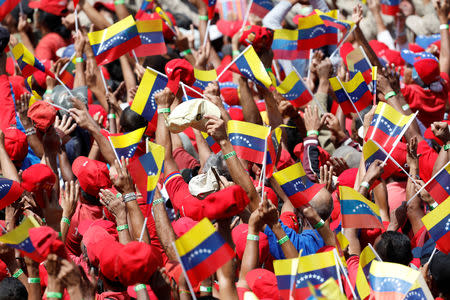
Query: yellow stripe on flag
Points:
[195, 236]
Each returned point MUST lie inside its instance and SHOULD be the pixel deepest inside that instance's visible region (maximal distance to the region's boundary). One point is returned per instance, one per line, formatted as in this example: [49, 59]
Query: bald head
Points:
[322, 203]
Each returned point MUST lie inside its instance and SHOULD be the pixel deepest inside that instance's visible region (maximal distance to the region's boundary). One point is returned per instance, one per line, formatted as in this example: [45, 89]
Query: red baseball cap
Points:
[259, 37]
[136, 262]
[92, 175]
[183, 225]
[263, 283]
[415, 48]
[179, 70]
[95, 108]
[239, 236]
[229, 28]
[236, 113]
[55, 7]
[96, 239]
[45, 241]
[15, 144]
[42, 114]
[225, 203]
[425, 64]
[3, 270]
[229, 92]
[378, 47]
[108, 5]
[38, 177]
[393, 57]
[290, 220]
[109, 226]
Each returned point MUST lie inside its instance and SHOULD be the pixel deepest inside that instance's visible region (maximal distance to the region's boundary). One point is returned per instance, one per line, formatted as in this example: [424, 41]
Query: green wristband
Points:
[65, 220]
[157, 201]
[203, 18]
[205, 289]
[79, 60]
[34, 280]
[319, 224]
[18, 273]
[49, 91]
[54, 295]
[446, 147]
[164, 110]
[389, 95]
[111, 116]
[283, 240]
[229, 155]
[312, 132]
[236, 52]
[139, 287]
[252, 237]
[122, 227]
[185, 52]
[117, 2]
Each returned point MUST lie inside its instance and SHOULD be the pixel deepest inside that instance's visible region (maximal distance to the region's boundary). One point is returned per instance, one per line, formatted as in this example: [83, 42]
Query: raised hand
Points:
[22, 109]
[114, 204]
[215, 127]
[70, 195]
[64, 127]
[441, 131]
[123, 181]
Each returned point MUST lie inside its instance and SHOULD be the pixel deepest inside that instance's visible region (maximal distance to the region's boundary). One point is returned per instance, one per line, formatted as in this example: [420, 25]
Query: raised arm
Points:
[443, 8]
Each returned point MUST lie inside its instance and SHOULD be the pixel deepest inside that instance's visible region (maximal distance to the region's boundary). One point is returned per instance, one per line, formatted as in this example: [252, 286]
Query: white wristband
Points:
[365, 184]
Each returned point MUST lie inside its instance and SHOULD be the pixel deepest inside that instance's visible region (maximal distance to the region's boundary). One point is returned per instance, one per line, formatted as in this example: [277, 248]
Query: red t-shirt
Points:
[431, 105]
[47, 46]
[427, 159]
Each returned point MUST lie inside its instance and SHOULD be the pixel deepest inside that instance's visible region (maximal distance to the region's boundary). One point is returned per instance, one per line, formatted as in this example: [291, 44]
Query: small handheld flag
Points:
[211, 143]
[146, 5]
[152, 39]
[285, 271]
[296, 185]
[330, 19]
[357, 211]
[27, 62]
[260, 8]
[294, 90]
[10, 191]
[202, 251]
[390, 7]
[439, 185]
[111, 43]
[204, 77]
[284, 45]
[374, 83]
[19, 238]
[125, 144]
[314, 34]
[437, 223]
[211, 7]
[357, 61]
[146, 171]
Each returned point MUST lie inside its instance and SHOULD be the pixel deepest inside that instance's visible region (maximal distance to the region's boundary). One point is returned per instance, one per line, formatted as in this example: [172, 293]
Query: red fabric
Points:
[113, 296]
[92, 175]
[55, 7]
[16, 145]
[324, 156]
[184, 160]
[38, 177]
[431, 105]
[229, 28]
[183, 225]
[6, 103]
[48, 45]
[352, 268]
[3, 270]
[419, 238]
[290, 220]
[259, 37]
[179, 70]
[42, 114]
[427, 159]
[285, 160]
[239, 236]
[263, 284]
[45, 241]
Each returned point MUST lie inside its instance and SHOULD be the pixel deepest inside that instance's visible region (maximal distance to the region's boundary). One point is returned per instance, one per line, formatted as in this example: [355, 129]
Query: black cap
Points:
[4, 38]
[440, 271]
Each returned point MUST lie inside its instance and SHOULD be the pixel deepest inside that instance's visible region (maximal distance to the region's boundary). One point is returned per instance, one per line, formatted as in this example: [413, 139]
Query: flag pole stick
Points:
[342, 41]
[277, 72]
[21, 12]
[205, 39]
[434, 176]
[65, 86]
[103, 80]
[310, 92]
[397, 140]
[247, 13]
[432, 254]
[67, 64]
[76, 19]
[374, 83]
[231, 63]
[375, 252]
[114, 149]
[59, 107]
[135, 56]
[350, 99]
[294, 271]
[311, 53]
[338, 259]
[184, 271]
[3, 228]
[184, 92]
[148, 207]
[341, 287]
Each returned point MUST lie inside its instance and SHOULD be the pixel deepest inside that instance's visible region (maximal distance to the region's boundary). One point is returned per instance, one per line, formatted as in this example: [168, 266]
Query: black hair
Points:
[12, 289]
[394, 247]
[130, 120]
[54, 24]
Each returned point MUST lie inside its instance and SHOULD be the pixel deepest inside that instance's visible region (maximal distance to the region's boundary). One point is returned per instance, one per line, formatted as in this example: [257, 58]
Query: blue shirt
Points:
[309, 240]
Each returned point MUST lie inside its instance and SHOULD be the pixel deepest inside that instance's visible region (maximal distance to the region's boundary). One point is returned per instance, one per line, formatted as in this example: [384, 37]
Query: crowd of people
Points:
[95, 234]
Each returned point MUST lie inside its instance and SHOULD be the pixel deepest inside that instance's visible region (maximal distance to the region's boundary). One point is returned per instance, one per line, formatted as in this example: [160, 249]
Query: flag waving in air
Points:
[285, 271]
[356, 89]
[260, 8]
[27, 62]
[211, 8]
[296, 185]
[146, 170]
[437, 223]
[144, 101]
[284, 45]
[125, 144]
[10, 191]
[211, 143]
[330, 19]
[203, 77]
[294, 90]
[357, 211]
[390, 7]
[152, 39]
[372, 151]
[146, 5]
[358, 62]
[313, 33]
[250, 66]
[111, 43]
[439, 185]
[202, 250]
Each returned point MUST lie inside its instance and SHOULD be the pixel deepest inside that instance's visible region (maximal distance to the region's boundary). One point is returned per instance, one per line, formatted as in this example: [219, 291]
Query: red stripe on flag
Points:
[150, 49]
[317, 42]
[249, 154]
[443, 244]
[116, 52]
[360, 221]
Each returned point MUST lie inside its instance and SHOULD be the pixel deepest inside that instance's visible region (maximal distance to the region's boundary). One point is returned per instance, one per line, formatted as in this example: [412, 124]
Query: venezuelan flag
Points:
[439, 186]
[144, 100]
[111, 43]
[203, 77]
[146, 170]
[165, 17]
[371, 152]
[390, 280]
[271, 153]
[330, 290]
[313, 33]
[202, 251]
[250, 66]
[296, 185]
[248, 140]
[67, 75]
[330, 19]
[437, 223]
[146, 5]
[211, 8]
[211, 143]
[365, 260]
[34, 98]
[10, 191]
[6, 6]
[284, 45]
[125, 144]
[294, 90]
[357, 211]
[315, 268]
[260, 8]
[285, 271]
[316, 293]
[357, 62]
[386, 125]
[152, 39]
[419, 291]
[28, 64]
[390, 7]
[362, 288]
[19, 238]
[358, 91]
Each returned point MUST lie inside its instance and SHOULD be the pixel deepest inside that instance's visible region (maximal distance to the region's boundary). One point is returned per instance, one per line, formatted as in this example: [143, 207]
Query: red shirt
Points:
[47, 46]
[431, 105]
